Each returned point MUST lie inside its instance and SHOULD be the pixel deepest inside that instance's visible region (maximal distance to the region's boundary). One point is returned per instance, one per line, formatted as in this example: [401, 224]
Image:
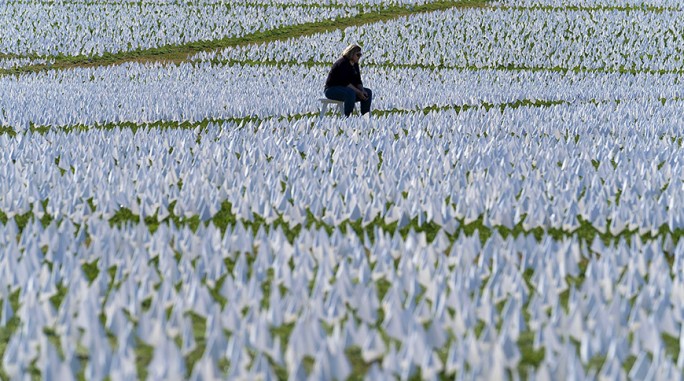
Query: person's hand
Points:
[363, 95]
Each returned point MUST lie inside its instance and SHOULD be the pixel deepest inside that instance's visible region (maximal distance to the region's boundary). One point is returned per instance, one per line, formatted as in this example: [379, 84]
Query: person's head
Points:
[352, 53]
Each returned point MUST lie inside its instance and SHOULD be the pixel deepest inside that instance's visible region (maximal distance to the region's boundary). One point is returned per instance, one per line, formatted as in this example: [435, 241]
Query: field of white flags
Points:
[511, 210]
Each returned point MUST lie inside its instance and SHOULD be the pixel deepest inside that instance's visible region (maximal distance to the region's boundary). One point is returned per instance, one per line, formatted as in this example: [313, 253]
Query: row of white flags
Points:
[633, 4]
[199, 91]
[13, 63]
[94, 28]
[406, 304]
[485, 37]
[605, 40]
[510, 168]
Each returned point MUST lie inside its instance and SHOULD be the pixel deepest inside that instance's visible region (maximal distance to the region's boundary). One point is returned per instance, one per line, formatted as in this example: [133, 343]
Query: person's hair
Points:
[350, 50]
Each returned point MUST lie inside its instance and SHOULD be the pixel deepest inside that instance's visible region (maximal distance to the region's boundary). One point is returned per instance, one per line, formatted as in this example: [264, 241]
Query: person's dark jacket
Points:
[343, 73]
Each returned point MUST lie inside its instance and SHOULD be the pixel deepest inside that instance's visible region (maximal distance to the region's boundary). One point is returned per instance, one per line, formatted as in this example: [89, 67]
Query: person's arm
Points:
[359, 86]
[360, 92]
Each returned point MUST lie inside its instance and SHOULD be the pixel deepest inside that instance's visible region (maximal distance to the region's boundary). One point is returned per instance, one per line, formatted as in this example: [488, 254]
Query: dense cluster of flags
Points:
[75, 28]
[148, 93]
[634, 4]
[404, 304]
[484, 223]
[612, 40]
[542, 167]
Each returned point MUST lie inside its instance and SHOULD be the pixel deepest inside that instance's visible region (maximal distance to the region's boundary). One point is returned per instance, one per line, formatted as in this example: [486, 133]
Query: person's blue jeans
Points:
[348, 96]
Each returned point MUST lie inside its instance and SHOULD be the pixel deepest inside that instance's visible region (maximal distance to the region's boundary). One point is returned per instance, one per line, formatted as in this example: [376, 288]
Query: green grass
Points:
[9, 329]
[529, 357]
[199, 329]
[672, 348]
[143, 357]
